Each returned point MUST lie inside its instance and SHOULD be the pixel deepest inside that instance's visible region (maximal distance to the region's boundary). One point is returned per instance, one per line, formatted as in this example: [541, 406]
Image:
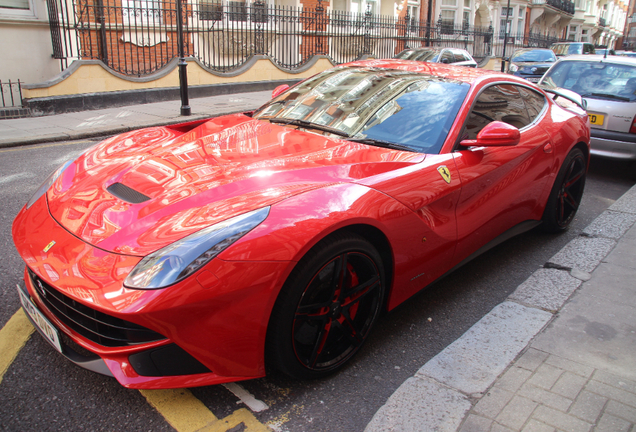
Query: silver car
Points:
[608, 85]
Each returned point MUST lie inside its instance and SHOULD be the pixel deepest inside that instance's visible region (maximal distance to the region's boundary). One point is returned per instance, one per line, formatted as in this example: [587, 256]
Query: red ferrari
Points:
[208, 252]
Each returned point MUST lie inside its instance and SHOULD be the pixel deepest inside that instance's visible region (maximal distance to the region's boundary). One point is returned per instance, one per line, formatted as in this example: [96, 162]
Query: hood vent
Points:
[127, 194]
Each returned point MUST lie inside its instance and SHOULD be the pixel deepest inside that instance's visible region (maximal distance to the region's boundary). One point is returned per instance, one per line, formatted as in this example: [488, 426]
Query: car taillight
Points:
[633, 128]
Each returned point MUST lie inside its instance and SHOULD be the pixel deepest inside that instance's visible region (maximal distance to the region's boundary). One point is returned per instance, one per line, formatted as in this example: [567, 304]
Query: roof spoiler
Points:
[557, 92]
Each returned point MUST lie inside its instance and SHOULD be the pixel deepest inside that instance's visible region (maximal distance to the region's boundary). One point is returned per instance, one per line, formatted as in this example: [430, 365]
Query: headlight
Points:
[47, 183]
[514, 68]
[180, 259]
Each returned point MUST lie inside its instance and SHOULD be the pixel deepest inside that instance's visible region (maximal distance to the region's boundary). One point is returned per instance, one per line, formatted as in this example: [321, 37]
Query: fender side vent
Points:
[127, 194]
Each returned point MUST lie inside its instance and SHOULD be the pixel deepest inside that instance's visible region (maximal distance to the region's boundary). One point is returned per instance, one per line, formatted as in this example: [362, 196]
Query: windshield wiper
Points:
[307, 124]
[381, 143]
[611, 96]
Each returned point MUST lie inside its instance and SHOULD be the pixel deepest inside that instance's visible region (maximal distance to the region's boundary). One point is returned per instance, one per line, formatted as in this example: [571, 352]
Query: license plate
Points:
[46, 328]
[534, 80]
[596, 119]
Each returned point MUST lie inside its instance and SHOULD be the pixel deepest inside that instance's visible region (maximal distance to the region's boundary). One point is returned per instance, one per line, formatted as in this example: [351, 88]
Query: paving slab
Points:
[479, 356]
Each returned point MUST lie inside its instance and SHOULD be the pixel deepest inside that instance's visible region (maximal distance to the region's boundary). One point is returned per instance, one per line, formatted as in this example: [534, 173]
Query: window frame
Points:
[12, 13]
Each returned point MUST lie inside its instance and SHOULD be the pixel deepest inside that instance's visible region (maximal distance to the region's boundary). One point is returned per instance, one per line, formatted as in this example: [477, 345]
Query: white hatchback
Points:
[608, 85]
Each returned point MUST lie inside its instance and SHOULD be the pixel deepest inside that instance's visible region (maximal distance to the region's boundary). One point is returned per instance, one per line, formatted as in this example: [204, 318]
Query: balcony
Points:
[561, 5]
[601, 22]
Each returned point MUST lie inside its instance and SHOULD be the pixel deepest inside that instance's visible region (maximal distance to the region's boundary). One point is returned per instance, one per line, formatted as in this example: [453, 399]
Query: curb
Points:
[443, 391]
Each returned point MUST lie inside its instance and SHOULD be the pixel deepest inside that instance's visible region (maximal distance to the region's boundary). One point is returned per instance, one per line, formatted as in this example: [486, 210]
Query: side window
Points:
[447, 57]
[459, 56]
[501, 102]
[534, 102]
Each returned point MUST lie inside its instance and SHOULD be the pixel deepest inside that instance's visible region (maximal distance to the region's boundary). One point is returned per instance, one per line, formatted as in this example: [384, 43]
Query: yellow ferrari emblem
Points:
[48, 247]
[445, 173]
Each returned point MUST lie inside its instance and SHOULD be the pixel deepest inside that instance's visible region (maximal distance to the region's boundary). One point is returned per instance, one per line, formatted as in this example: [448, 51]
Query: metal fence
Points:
[11, 92]
[138, 37]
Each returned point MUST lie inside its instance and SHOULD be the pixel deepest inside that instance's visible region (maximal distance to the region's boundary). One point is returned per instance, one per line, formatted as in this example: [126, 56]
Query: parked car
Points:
[455, 56]
[202, 253]
[608, 84]
[628, 54]
[531, 63]
[570, 48]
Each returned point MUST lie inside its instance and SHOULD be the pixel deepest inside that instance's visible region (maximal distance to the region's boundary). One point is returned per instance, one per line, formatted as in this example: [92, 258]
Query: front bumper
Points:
[216, 319]
[617, 145]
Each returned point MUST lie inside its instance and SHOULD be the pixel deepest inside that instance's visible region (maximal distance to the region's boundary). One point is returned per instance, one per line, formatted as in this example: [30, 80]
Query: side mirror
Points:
[495, 134]
[278, 90]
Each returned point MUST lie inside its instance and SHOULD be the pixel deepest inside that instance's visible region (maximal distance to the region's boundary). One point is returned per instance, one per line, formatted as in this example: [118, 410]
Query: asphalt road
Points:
[42, 391]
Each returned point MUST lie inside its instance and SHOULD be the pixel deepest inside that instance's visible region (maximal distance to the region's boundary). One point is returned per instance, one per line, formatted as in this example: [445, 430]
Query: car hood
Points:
[138, 192]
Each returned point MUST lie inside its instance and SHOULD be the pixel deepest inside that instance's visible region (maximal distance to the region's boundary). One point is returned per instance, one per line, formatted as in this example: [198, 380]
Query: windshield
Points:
[567, 49]
[401, 107]
[534, 56]
[419, 55]
[594, 79]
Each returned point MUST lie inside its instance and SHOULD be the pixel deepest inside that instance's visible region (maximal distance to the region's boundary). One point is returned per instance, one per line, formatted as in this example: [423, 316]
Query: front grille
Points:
[542, 70]
[96, 326]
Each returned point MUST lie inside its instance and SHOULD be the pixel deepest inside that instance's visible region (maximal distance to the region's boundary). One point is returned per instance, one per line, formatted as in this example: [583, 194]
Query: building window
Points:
[447, 21]
[142, 12]
[413, 13]
[15, 4]
[584, 36]
[521, 27]
[449, 3]
[573, 30]
[505, 23]
[17, 9]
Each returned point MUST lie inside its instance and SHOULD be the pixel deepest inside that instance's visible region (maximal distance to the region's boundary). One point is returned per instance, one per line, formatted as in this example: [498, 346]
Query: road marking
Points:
[246, 397]
[186, 413]
[179, 407]
[241, 416]
[15, 333]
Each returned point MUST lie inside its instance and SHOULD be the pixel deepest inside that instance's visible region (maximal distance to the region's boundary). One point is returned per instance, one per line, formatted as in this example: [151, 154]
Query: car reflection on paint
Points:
[214, 250]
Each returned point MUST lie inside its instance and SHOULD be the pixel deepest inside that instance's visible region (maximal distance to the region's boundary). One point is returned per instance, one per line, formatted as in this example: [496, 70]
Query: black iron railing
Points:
[138, 37]
[11, 94]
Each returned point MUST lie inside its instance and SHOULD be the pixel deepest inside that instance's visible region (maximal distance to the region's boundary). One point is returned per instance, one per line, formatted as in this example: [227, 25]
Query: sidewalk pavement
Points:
[558, 355]
[110, 121]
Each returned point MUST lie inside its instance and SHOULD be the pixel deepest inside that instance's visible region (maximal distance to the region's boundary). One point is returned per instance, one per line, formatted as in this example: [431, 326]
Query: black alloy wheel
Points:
[327, 308]
[567, 192]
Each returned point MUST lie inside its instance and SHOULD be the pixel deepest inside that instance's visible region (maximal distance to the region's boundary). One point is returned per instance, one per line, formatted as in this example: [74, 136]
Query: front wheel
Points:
[567, 192]
[326, 308]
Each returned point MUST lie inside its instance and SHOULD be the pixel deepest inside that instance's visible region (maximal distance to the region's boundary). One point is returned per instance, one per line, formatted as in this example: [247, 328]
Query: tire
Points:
[326, 308]
[566, 194]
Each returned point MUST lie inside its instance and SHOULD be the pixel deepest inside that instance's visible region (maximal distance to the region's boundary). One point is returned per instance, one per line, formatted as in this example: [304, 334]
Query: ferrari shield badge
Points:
[48, 247]
[445, 173]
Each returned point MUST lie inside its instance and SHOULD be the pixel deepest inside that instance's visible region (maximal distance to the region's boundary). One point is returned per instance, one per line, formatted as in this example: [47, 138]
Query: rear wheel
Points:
[567, 192]
[327, 307]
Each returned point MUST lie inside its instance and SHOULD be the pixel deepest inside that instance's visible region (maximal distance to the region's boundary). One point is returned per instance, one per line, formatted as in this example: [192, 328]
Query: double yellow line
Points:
[179, 407]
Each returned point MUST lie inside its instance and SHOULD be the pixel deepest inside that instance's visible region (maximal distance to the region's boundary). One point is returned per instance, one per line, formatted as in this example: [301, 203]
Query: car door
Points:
[501, 186]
